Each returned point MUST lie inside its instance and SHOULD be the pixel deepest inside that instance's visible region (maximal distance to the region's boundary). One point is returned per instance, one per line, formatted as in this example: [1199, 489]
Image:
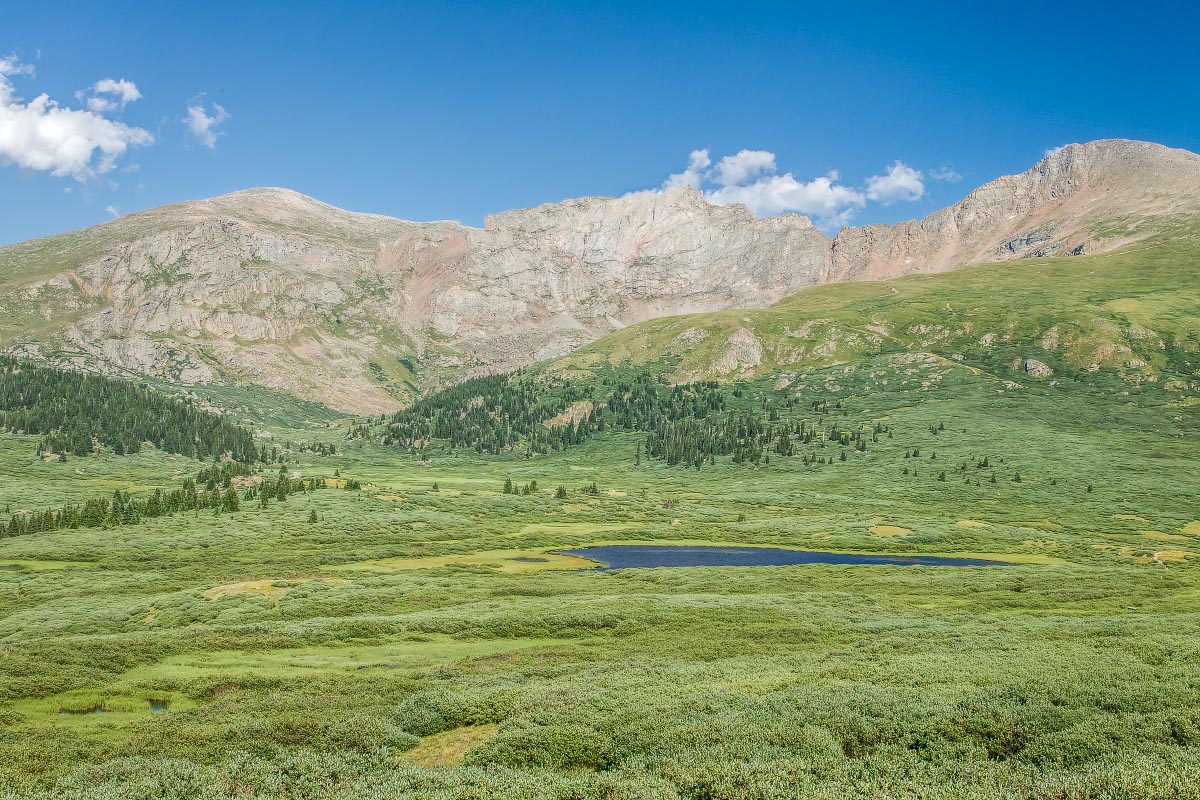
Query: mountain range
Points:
[361, 313]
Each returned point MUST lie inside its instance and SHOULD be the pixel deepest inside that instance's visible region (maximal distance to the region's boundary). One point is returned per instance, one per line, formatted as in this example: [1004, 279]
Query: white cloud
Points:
[9, 65]
[43, 136]
[203, 125]
[945, 174]
[112, 95]
[693, 176]
[747, 164]
[113, 211]
[1052, 150]
[901, 182]
[750, 177]
[823, 198]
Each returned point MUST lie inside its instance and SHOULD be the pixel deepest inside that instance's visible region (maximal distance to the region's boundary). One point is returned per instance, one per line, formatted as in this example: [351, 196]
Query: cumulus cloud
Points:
[823, 198]
[203, 124]
[900, 182]
[751, 178]
[693, 176]
[112, 95]
[9, 65]
[1052, 150]
[745, 165]
[946, 175]
[44, 136]
[113, 211]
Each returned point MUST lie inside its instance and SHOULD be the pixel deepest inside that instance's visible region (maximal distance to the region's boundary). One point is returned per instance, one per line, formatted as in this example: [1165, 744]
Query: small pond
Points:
[628, 556]
[75, 712]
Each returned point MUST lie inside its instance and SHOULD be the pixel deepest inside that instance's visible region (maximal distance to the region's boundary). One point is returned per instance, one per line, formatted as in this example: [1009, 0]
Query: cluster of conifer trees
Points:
[501, 413]
[751, 438]
[74, 411]
[212, 489]
[687, 424]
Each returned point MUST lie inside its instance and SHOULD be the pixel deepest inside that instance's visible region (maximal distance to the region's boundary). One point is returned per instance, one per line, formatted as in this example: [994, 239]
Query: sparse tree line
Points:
[221, 488]
[531, 488]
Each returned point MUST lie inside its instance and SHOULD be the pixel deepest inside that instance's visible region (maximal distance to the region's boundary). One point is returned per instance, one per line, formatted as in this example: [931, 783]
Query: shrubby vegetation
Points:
[412, 639]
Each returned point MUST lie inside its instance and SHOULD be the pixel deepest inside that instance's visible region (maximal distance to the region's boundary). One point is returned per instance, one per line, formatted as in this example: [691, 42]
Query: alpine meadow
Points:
[648, 497]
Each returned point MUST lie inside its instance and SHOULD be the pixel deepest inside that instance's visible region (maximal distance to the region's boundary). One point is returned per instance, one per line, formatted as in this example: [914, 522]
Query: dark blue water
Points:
[628, 556]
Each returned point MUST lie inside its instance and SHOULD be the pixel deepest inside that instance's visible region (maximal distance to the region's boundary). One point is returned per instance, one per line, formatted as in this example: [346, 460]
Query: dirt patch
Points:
[1042, 543]
[269, 588]
[575, 412]
[1130, 517]
[222, 689]
[889, 531]
[972, 523]
[499, 560]
[448, 748]
[1044, 525]
[1159, 536]
[146, 620]
[1173, 556]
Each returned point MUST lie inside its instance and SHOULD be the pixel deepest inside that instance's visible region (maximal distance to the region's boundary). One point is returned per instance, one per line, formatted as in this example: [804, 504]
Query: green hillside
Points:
[1128, 316]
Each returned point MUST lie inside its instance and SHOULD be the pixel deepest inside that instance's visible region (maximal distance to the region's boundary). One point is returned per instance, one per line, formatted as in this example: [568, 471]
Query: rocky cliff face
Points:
[1084, 198]
[360, 312]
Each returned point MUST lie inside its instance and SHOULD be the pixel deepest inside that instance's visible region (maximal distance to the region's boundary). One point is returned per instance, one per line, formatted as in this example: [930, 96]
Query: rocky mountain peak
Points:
[1083, 198]
[360, 311]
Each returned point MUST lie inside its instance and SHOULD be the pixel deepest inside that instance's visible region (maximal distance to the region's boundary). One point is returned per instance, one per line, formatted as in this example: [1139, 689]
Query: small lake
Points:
[629, 556]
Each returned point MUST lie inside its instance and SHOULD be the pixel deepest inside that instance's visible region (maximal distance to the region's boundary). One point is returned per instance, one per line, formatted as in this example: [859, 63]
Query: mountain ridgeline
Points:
[365, 313]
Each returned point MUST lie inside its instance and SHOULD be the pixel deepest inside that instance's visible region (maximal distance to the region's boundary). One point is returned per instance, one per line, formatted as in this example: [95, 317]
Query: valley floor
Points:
[421, 642]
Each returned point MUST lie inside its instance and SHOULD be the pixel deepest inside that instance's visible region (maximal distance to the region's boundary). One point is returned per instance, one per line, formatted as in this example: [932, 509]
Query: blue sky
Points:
[457, 110]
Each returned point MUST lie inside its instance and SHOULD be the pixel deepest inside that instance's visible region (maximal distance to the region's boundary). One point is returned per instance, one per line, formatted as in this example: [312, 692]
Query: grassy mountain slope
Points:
[1128, 317]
